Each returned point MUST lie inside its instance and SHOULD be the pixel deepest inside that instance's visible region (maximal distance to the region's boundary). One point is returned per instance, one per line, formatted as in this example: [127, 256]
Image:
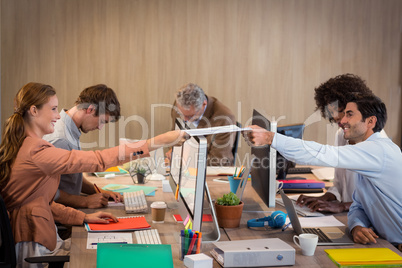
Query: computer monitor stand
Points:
[214, 234]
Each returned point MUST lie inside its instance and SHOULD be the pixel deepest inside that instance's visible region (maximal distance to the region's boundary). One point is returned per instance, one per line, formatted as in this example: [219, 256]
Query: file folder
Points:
[133, 255]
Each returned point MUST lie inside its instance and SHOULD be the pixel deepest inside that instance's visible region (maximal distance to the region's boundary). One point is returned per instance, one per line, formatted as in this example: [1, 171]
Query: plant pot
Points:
[140, 178]
[229, 216]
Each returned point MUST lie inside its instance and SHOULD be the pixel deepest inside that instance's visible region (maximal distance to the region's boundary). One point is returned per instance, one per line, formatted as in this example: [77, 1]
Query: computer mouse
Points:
[156, 177]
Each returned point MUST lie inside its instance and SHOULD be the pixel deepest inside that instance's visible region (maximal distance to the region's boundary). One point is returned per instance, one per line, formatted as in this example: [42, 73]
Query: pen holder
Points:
[189, 245]
[234, 183]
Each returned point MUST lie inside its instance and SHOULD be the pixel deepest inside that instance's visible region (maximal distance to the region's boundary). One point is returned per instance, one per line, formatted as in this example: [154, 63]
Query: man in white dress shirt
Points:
[331, 99]
[377, 207]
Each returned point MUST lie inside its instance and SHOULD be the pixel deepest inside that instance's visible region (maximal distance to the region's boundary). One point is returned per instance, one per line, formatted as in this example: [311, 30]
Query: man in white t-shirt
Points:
[95, 106]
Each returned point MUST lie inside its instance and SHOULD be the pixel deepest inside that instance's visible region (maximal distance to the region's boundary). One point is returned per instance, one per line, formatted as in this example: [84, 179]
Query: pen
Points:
[285, 227]
[182, 236]
[242, 172]
[199, 243]
[185, 241]
[110, 243]
[190, 249]
[241, 168]
[97, 189]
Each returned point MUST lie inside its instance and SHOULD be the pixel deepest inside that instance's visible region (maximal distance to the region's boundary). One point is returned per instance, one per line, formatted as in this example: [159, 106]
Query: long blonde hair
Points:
[32, 94]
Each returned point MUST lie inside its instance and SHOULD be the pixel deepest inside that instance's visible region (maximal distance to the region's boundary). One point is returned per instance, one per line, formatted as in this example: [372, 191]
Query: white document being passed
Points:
[214, 130]
[95, 238]
[316, 222]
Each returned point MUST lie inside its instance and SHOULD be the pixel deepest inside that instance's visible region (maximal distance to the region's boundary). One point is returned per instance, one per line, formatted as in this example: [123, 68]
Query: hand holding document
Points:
[214, 130]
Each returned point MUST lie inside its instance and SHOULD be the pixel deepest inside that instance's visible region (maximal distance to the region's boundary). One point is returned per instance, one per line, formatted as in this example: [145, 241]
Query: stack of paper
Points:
[372, 257]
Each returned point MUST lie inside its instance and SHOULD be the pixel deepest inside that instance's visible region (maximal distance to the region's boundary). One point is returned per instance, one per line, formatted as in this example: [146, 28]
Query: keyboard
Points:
[321, 236]
[150, 236]
[135, 202]
[302, 211]
[299, 170]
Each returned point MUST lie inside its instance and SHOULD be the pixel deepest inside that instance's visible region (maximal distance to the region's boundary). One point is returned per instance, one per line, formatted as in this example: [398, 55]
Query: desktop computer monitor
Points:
[283, 165]
[263, 171]
[188, 170]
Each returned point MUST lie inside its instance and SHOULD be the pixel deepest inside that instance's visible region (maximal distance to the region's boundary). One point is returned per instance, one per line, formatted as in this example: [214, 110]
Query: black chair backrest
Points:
[7, 246]
[236, 143]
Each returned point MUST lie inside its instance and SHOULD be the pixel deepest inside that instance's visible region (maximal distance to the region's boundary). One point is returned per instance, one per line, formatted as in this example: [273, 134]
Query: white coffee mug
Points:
[279, 185]
[307, 243]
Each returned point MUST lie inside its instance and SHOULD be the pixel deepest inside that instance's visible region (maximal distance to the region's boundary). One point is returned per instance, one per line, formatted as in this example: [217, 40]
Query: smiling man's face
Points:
[355, 128]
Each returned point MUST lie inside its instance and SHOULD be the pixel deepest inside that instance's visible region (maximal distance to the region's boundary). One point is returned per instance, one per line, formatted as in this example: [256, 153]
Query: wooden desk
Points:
[253, 208]
[169, 231]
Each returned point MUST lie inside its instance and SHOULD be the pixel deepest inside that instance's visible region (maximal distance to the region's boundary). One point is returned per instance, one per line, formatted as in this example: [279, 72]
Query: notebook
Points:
[302, 184]
[134, 255]
[364, 257]
[124, 224]
[334, 235]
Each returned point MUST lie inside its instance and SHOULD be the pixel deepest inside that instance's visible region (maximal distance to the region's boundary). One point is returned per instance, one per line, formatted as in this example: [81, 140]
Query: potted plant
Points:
[141, 175]
[138, 172]
[228, 210]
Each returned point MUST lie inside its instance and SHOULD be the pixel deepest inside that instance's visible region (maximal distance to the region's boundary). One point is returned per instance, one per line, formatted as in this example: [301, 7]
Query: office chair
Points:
[8, 257]
[236, 144]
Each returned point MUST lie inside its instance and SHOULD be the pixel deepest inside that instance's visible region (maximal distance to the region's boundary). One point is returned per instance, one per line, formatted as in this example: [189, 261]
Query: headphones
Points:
[276, 220]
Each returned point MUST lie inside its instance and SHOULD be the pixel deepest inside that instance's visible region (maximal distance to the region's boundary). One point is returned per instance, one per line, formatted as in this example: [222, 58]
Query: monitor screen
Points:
[263, 171]
[295, 130]
[282, 166]
[175, 163]
[188, 169]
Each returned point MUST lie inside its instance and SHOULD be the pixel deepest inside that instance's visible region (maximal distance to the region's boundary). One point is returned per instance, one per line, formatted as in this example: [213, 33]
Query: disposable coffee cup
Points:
[158, 210]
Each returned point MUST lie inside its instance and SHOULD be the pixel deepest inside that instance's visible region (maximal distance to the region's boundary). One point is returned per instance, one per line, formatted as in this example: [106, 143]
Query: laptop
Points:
[302, 211]
[327, 236]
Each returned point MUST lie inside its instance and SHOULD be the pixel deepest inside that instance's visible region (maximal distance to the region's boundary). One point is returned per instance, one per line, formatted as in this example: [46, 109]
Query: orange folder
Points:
[124, 224]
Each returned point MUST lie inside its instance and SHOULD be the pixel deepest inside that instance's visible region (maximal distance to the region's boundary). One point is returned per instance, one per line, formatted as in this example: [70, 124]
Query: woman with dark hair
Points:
[30, 170]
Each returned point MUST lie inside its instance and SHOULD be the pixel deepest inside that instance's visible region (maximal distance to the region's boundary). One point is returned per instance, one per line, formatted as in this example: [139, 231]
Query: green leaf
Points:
[229, 199]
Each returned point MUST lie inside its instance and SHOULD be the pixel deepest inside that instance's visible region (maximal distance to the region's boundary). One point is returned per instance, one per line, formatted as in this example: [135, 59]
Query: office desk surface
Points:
[168, 231]
[253, 208]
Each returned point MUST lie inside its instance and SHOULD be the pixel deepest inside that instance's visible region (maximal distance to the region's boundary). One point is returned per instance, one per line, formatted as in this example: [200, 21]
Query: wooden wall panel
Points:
[262, 54]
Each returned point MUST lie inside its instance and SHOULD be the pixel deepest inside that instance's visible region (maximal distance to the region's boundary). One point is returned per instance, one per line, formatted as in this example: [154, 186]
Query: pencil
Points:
[97, 189]
[241, 168]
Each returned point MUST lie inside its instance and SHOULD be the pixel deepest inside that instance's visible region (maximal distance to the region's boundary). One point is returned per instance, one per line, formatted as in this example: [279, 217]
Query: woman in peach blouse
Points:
[30, 170]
